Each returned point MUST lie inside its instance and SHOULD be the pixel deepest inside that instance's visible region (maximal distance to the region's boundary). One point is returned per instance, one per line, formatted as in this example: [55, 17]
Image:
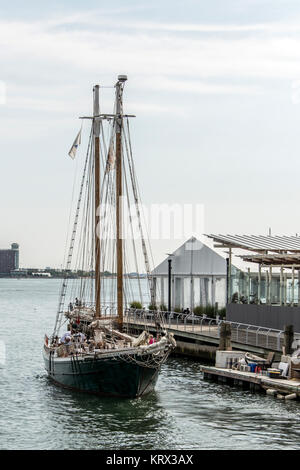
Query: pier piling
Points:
[225, 337]
[288, 338]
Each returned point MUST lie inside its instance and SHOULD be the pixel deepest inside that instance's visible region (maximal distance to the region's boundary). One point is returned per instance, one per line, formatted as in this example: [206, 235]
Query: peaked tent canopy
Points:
[198, 277]
[193, 257]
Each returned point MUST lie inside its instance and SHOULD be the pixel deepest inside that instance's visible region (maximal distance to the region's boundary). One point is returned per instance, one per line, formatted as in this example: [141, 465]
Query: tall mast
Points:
[96, 132]
[119, 193]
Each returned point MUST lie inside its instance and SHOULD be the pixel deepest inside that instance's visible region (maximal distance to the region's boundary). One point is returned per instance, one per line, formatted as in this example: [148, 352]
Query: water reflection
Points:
[107, 422]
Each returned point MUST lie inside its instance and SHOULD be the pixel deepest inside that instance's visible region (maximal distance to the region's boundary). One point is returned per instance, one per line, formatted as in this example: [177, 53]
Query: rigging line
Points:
[128, 292]
[106, 191]
[107, 185]
[108, 230]
[108, 166]
[103, 198]
[83, 210]
[70, 211]
[113, 254]
[152, 288]
[93, 254]
[105, 228]
[90, 234]
[69, 258]
[105, 204]
[138, 189]
[137, 204]
[85, 239]
[79, 239]
[81, 242]
[137, 194]
[72, 199]
[103, 153]
[128, 288]
[69, 220]
[110, 204]
[86, 249]
[132, 234]
[77, 284]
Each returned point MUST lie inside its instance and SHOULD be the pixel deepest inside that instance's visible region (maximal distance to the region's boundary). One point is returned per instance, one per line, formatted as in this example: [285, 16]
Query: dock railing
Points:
[267, 338]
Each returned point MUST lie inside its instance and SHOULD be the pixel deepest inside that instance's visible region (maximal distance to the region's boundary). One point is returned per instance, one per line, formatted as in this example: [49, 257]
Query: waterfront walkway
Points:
[203, 330]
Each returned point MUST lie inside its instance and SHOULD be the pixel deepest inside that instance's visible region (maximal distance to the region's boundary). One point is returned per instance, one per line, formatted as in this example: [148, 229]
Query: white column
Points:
[229, 276]
[281, 286]
[162, 290]
[248, 286]
[259, 287]
[192, 294]
[270, 289]
[284, 288]
[293, 286]
[213, 290]
[298, 287]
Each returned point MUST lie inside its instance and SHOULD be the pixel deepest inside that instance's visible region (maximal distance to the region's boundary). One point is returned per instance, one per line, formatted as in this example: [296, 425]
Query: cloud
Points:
[188, 86]
[106, 19]
[46, 62]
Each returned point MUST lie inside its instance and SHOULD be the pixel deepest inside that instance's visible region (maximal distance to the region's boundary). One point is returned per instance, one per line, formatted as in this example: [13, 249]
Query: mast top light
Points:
[122, 78]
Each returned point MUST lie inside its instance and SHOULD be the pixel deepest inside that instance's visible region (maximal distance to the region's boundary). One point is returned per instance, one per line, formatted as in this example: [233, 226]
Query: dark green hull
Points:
[110, 376]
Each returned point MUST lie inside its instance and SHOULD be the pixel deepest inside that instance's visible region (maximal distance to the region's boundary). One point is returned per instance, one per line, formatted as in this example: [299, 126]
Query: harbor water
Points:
[184, 412]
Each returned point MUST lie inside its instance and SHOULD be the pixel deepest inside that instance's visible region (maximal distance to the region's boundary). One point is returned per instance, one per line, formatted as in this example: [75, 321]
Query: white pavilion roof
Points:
[196, 257]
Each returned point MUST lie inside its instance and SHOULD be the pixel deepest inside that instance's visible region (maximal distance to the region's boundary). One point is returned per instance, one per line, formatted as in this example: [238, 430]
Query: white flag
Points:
[77, 142]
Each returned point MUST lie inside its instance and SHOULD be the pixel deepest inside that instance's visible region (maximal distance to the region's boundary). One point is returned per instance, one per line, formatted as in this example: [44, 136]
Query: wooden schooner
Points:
[96, 354]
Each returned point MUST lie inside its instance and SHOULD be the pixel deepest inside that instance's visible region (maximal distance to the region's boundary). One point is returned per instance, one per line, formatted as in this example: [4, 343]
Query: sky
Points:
[215, 87]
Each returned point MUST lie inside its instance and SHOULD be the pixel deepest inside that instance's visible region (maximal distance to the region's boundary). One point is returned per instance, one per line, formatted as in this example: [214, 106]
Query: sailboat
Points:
[92, 348]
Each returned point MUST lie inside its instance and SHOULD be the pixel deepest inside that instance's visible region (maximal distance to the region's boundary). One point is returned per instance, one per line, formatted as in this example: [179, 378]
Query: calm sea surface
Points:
[185, 412]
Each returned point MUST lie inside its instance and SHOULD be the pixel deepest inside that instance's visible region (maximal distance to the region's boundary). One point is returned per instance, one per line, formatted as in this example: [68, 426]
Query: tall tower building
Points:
[9, 259]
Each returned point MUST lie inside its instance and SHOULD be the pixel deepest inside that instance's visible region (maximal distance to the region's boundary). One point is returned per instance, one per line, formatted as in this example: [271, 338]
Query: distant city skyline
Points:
[215, 87]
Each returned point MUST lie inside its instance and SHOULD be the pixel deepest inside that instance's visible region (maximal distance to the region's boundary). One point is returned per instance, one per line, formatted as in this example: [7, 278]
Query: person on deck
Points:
[80, 337]
[63, 339]
[151, 339]
[68, 347]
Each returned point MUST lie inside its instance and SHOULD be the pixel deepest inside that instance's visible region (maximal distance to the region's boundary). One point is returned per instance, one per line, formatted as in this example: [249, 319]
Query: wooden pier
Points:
[282, 388]
[201, 339]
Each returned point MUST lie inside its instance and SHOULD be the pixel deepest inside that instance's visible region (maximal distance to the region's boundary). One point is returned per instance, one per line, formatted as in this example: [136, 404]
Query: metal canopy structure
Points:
[268, 252]
[275, 259]
[259, 243]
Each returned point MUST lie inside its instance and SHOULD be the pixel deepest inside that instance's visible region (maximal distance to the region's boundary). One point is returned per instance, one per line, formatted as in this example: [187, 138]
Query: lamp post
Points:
[169, 282]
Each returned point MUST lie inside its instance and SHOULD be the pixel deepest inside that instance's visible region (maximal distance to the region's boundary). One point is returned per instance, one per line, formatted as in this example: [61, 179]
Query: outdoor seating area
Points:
[275, 276]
